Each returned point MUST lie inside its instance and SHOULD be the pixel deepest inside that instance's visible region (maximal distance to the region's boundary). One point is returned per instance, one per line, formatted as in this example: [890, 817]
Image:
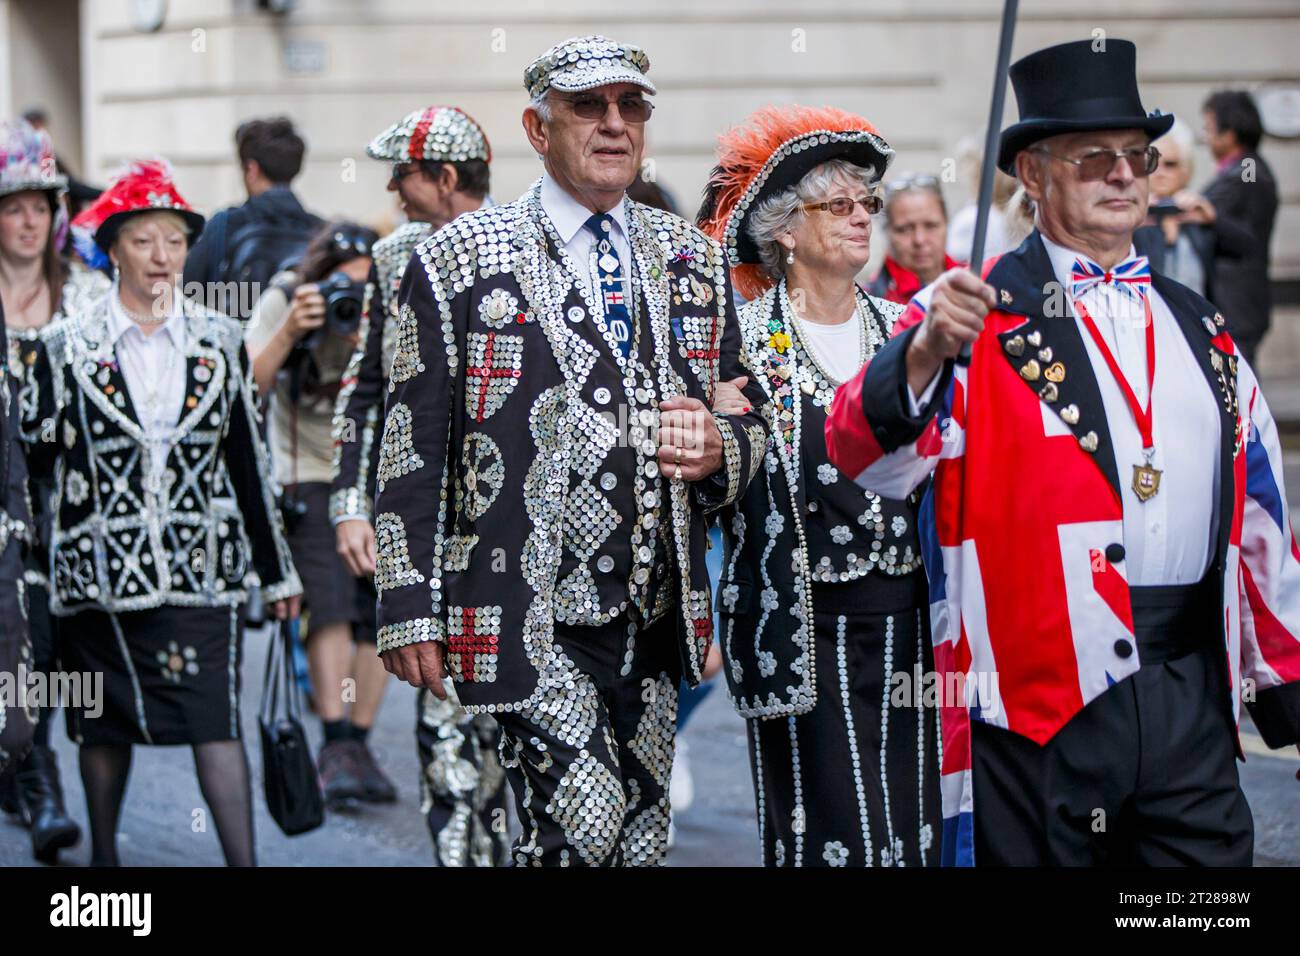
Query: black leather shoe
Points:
[340, 773]
[379, 789]
[42, 805]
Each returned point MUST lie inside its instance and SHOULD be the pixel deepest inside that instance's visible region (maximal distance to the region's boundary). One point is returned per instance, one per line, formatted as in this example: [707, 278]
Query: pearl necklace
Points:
[139, 319]
[806, 342]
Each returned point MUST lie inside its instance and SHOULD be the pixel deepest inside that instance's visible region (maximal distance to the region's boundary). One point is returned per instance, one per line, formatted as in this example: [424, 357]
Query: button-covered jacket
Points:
[122, 541]
[493, 423]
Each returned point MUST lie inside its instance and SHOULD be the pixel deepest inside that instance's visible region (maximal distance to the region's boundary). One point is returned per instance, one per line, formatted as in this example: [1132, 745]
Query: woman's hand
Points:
[1195, 208]
[713, 662]
[287, 608]
[728, 399]
[306, 311]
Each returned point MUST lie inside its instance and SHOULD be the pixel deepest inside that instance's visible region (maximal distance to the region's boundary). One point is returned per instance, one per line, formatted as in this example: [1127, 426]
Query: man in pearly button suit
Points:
[440, 170]
[548, 461]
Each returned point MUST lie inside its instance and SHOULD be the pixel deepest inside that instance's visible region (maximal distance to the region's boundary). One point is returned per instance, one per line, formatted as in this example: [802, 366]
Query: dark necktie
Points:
[609, 279]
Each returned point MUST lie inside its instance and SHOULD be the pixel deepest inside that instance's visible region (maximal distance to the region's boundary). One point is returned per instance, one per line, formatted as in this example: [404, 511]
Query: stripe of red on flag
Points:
[953, 715]
[948, 482]
[1112, 587]
[1278, 646]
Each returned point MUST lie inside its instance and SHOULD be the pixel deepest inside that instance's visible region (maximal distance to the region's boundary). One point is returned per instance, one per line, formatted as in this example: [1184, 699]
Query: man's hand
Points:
[690, 445]
[955, 318]
[419, 664]
[355, 542]
[287, 608]
[728, 399]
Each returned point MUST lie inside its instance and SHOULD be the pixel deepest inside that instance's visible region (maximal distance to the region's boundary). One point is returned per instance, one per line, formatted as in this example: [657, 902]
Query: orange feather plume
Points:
[742, 152]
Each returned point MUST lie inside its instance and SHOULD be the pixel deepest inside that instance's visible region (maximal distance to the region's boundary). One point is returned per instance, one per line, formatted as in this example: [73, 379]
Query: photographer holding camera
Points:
[300, 340]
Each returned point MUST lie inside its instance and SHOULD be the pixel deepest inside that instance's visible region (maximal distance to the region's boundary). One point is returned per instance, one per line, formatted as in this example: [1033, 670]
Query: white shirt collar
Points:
[1063, 259]
[119, 323]
[568, 215]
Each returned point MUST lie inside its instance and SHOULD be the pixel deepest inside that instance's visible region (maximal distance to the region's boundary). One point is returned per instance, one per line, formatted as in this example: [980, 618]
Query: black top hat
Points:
[1075, 87]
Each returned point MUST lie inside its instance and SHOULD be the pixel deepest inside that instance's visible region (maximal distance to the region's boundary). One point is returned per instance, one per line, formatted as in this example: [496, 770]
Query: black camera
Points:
[344, 300]
[1165, 207]
[292, 510]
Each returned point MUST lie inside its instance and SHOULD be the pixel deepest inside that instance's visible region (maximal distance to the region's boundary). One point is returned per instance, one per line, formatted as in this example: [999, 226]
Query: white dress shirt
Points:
[569, 218]
[1167, 538]
[154, 367]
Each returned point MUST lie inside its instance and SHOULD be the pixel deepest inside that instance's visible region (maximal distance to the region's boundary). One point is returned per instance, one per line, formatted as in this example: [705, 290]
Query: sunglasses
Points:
[399, 173]
[913, 182]
[1096, 164]
[633, 109]
[843, 205]
[346, 244]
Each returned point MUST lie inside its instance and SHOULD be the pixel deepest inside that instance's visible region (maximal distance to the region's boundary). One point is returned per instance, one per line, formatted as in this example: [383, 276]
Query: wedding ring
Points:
[677, 456]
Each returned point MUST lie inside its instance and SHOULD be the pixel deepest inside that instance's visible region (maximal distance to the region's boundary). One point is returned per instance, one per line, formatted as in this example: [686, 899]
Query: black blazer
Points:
[1245, 203]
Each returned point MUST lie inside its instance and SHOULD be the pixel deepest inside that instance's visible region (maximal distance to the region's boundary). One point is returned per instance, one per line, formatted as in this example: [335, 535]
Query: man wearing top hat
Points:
[1112, 568]
[549, 458]
[440, 160]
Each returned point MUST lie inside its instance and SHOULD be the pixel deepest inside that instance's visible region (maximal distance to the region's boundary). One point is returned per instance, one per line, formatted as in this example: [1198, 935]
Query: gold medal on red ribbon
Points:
[1146, 479]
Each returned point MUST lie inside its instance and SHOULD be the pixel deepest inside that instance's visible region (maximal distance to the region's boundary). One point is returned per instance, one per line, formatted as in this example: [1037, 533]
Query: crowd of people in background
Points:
[315, 358]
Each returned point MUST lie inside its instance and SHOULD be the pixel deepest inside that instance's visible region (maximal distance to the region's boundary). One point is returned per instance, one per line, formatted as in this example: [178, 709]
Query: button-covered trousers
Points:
[589, 765]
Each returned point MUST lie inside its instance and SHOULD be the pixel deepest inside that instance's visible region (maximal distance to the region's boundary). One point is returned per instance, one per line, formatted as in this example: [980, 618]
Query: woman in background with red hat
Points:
[823, 593]
[162, 492]
[36, 286]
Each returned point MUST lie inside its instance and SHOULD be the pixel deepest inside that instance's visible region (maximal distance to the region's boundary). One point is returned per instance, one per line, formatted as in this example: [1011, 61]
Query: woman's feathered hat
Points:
[770, 152]
[146, 186]
[27, 162]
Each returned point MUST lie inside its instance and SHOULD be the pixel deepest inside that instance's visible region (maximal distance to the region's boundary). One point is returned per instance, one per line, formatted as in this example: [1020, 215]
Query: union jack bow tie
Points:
[1132, 277]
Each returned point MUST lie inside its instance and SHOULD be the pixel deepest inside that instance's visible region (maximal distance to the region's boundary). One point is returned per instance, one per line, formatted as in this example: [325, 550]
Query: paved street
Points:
[163, 797]
[718, 829]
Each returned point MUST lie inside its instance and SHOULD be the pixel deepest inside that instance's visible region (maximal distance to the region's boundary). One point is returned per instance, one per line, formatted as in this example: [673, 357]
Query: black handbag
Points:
[292, 787]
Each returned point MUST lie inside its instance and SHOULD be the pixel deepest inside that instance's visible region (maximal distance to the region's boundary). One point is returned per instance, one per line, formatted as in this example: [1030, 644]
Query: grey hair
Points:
[779, 214]
[1181, 135]
[541, 106]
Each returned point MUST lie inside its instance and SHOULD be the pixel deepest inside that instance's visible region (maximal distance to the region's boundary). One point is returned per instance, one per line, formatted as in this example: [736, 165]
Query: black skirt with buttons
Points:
[170, 675]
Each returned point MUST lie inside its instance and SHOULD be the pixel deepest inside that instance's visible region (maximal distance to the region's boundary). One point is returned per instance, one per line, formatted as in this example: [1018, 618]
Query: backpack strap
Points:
[217, 261]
